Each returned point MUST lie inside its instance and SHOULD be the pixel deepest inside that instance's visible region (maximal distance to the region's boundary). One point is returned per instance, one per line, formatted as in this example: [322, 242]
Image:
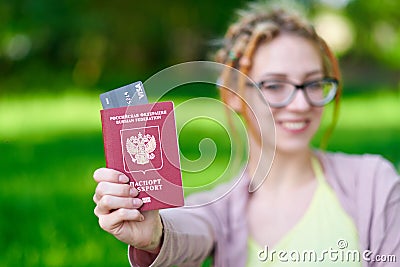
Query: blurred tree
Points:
[374, 60]
[103, 44]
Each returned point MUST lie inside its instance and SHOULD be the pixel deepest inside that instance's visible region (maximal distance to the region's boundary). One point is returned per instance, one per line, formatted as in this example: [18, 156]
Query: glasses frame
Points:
[302, 87]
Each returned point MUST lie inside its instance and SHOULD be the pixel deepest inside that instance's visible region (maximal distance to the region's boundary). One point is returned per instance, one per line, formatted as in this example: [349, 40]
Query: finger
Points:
[119, 190]
[108, 203]
[111, 222]
[110, 175]
[96, 199]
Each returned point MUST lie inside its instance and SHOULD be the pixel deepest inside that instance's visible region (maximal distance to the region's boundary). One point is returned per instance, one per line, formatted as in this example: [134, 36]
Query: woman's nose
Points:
[299, 103]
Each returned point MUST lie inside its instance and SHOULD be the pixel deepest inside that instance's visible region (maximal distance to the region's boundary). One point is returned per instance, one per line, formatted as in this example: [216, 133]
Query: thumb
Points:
[150, 215]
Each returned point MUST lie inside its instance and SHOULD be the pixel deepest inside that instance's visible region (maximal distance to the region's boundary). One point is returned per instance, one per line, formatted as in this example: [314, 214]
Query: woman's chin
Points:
[292, 148]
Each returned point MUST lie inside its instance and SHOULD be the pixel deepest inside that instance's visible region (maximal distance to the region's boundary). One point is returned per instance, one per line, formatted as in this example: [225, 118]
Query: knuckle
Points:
[105, 174]
[136, 213]
[123, 213]
[95, 198]
[95, 211]
[103, 224]
[97, 174]
[100, 189]
[105, 202]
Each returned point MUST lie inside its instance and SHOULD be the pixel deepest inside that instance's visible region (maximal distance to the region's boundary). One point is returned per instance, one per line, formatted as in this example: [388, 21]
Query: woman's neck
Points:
[287, 170]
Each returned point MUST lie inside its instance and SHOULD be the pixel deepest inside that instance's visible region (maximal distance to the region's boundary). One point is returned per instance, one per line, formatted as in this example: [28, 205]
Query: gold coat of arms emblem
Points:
[141, 148]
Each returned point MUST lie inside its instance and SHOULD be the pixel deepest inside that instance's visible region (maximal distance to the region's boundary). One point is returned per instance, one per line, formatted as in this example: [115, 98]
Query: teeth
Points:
[294, 125]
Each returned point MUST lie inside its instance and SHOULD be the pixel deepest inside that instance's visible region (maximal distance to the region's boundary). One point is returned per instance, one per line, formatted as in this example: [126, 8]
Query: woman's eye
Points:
[273, 86]
[315, 86]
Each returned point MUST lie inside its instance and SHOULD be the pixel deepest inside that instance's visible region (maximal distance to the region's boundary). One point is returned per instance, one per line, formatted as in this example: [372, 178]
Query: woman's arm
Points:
[190, 233]
[188, 238]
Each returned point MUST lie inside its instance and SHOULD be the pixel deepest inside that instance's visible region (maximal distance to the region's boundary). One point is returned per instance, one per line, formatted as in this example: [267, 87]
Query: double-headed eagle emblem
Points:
[141, 148]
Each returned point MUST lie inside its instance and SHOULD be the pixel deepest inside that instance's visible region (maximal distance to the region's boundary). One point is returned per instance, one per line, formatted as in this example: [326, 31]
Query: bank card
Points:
[129, 95]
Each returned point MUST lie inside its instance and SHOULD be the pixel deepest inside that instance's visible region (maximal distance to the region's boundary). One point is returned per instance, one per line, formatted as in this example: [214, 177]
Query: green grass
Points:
[368, 124]
[45, 194]
[50, 145]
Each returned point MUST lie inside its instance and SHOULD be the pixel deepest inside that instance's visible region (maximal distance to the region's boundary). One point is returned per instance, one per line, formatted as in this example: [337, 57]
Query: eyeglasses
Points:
[317, 93]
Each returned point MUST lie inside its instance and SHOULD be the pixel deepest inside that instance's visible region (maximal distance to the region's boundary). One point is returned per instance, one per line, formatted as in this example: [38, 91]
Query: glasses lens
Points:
[321, 92]
[276, 93]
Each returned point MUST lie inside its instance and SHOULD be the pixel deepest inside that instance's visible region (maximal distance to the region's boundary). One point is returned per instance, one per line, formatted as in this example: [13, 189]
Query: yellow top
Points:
[324, 236]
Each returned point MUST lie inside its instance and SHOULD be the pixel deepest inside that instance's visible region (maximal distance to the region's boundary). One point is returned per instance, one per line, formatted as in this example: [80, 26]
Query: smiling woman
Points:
[291, 59]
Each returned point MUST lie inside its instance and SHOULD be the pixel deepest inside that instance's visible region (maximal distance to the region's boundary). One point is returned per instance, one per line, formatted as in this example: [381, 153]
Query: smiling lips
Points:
[295, 126]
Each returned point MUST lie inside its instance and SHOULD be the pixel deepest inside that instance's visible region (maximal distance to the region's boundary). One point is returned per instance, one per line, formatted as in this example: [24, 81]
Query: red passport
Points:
[141, 141]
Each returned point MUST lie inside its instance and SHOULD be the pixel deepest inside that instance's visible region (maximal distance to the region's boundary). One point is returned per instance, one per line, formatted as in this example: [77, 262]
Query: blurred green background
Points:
[56, 57]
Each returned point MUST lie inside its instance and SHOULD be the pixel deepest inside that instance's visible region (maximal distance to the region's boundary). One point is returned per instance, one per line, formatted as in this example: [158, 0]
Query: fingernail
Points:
[133, 192]
[137, 202]
[141, 218]
[123, 178]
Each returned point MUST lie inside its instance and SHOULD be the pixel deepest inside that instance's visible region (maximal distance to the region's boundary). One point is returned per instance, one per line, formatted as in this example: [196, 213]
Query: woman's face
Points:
[294, 59]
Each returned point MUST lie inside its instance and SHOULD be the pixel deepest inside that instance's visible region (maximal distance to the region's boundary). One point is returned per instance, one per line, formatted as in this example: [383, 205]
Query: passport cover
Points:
[141, 142]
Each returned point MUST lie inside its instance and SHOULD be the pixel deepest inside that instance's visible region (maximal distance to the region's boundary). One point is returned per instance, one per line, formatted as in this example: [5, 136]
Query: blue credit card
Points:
[129, 95]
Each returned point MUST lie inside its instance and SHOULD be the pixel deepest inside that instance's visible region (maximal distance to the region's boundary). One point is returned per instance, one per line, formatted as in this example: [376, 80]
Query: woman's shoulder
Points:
[353, 161]
[366, 168]
[342, 157]
[363, 183]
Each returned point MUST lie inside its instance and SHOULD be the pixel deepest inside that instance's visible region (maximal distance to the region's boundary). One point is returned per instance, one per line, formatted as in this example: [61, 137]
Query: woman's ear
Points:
[228, 84]
[231, 98]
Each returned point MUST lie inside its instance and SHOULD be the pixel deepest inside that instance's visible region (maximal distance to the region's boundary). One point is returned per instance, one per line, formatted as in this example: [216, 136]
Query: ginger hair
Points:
[261, 23]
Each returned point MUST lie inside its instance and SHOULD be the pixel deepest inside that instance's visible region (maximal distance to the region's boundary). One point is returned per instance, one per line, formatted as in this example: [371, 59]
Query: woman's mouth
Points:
[295, 126]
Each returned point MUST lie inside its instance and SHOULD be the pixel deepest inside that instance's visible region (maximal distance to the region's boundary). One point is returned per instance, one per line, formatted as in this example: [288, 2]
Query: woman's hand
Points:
[117, 209]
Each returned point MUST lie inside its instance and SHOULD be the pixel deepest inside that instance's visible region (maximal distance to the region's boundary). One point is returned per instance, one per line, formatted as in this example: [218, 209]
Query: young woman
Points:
[314, 208]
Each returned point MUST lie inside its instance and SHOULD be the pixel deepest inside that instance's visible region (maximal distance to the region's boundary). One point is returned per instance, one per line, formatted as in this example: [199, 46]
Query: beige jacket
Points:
[367, 186]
